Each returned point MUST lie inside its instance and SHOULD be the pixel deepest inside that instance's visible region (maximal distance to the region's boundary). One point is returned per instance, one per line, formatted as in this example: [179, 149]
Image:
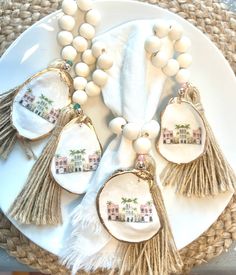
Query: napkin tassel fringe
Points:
[39, 202]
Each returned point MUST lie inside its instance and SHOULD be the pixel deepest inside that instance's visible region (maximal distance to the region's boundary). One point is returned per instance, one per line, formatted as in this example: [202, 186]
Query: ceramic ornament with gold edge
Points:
[125, 207]
[38, 102]
[183, 133]
[77, 156]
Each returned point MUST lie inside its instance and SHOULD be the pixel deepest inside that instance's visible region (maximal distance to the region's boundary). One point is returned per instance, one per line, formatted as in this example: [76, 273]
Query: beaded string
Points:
[96, 54]
[170, 67]
[91, 54]
[142, 135]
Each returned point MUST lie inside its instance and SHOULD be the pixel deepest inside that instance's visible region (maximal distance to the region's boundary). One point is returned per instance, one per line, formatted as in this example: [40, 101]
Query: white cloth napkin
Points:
[133, 92]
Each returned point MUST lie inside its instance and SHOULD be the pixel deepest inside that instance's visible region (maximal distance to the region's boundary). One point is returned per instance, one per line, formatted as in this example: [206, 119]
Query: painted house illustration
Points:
[113, 211]
[40, 106]
[53, 115]
[130, 211]
[182, 135]
[197, 136]
[27, 99]
[146, 212]
[61, 165]
[94, 161]
[167, 136]
[77, 161]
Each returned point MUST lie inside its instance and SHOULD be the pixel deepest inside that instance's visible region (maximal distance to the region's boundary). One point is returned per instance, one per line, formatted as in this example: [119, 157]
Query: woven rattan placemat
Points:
[220, 26]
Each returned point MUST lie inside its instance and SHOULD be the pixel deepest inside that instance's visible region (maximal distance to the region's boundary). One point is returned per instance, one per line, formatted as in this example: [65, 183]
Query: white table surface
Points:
[225, 264]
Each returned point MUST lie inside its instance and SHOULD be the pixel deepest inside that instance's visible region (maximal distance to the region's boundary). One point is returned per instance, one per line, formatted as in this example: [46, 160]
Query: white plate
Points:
[34, 49]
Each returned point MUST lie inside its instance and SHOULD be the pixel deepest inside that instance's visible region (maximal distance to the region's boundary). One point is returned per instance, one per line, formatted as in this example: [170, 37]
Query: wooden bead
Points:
[80, 43]
[105, 61]
[64, 38]
[67, 22]
[131, 131]
[161, 28]
[171, 68]
[116, 125]
[98, 48]
[69, 53]
[185, 60]
[152, 44]
[93, 17]
[82, 69]
[182, 76]
[80, 97]
[80, 83]
[183, 44]
[159, 60]
[151, 129]
[88, 57]
[92, 89]
[142, 145]
[176, 32]
[69, 7]
[100, 77]
[87, 31]
[84, 5]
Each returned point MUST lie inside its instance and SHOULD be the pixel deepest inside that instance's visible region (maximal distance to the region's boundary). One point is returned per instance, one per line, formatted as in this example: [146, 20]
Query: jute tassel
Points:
[210, 174]
[8, 135]
[159, 255]
[39, 201]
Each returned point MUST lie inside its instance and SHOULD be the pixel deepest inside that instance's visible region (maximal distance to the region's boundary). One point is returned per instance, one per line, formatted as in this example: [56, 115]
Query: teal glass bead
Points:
[69, 62]
[76, 106]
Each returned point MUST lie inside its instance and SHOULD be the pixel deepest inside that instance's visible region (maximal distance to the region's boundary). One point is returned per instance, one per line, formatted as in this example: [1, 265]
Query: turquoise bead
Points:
[76, 106]
[69, 62]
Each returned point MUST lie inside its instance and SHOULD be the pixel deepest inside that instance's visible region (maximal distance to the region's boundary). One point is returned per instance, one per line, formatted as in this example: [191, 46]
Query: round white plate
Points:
[36, 47]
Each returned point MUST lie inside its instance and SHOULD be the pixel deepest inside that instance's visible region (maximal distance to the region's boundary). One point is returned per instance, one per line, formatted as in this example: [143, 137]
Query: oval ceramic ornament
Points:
[38, 102]
[183, 133]
[126, 208]
[77, 155]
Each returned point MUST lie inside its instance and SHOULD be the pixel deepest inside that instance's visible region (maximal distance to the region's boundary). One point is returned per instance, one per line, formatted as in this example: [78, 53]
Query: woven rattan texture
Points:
[210, 17]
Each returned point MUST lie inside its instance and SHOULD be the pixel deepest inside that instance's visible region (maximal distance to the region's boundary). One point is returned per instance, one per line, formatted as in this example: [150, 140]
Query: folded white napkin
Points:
[133, 92]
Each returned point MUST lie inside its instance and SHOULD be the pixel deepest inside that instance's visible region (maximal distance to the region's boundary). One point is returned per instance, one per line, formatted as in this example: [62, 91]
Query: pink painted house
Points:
[146, 212]
[113, 211]
[197, 136]
[93, 161]
[53, 115]
[61, 164]
[27, 99]
[167, 136]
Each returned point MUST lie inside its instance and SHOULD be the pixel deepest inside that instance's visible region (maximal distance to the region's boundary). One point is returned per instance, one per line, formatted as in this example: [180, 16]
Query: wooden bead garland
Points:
[170, 67]
[90, 53]
[140, 135]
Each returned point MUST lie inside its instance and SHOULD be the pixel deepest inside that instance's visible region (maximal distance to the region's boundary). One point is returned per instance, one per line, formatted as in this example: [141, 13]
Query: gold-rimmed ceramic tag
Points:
[125, 206]
[183, 133]
[38, 101]
[196, 166]
[131, 209]
[77, 155]
[30, 111]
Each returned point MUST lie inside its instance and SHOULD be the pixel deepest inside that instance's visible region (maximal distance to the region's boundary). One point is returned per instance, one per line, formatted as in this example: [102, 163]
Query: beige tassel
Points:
[8, 135]
[39, 201]
[158, 255]
[210, 174]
